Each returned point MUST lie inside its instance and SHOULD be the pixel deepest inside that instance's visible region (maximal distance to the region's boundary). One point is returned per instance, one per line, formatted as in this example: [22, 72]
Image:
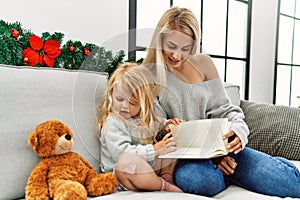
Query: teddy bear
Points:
[61, 173]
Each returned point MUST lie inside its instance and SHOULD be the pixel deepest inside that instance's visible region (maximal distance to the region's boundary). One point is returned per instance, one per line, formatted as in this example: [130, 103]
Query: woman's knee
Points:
[199, 177]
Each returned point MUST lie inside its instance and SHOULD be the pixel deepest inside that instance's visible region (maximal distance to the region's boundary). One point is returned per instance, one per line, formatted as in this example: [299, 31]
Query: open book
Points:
[200, 139]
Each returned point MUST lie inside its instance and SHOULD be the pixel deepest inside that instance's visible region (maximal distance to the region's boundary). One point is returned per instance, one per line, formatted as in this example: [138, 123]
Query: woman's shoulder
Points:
[205, 64]
[201, 58]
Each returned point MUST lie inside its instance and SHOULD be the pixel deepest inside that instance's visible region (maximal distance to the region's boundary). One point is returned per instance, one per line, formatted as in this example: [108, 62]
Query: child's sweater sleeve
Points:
[117, 140]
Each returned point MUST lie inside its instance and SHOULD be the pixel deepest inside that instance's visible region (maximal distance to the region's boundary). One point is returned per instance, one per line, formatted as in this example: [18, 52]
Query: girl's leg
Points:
[201, 177]
[167, 169]
[134, 173]
[259, 172]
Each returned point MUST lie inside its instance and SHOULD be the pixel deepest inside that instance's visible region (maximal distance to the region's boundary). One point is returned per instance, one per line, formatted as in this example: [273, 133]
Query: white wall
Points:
[263, 41]
[90, 21]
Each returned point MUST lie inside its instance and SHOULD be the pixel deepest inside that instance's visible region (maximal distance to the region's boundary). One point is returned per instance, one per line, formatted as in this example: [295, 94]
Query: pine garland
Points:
[74, 54]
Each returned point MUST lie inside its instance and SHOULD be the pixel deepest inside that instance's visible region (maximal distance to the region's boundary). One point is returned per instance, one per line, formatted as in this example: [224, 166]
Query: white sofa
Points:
[29, 96]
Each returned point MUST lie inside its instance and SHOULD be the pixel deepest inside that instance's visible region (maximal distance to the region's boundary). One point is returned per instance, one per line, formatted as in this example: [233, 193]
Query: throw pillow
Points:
[274, 129]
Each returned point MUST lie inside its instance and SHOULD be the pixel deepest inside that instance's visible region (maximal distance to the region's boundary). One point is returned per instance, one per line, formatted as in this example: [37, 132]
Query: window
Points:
[225, 32]
[287, 64]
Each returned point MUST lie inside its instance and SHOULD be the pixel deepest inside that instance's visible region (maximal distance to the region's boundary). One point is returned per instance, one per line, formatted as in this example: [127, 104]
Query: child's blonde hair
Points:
[135, 81]
[174, 19]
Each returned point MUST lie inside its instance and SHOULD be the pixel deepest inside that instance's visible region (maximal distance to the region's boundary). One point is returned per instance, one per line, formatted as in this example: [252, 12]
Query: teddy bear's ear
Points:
[32, 139]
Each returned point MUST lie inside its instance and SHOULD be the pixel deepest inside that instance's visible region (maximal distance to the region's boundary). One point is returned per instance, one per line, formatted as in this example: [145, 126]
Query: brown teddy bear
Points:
[62, 174]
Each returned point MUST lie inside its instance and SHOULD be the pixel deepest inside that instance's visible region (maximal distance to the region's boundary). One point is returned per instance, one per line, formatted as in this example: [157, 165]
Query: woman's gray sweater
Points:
[201, 100]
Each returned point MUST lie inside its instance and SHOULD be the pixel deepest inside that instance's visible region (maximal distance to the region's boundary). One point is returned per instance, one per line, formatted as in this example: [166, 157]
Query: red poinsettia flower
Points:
[41, 52]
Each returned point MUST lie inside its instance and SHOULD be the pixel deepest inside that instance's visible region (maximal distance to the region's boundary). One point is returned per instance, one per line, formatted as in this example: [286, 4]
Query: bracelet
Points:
[162, 184]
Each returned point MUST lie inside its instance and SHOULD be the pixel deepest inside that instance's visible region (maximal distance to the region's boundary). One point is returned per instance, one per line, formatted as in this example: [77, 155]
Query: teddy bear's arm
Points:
[37, 187]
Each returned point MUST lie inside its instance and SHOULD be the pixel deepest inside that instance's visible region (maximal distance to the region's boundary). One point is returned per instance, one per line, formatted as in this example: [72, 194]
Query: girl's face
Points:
[122, 105]
[176, 47]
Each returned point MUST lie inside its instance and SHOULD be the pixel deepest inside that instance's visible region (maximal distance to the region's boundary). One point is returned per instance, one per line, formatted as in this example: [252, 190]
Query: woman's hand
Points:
[227, 165]
[235, 145]
[166, 145]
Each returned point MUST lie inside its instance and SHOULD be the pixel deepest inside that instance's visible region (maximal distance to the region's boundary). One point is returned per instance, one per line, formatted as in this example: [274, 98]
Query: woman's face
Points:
[122, 105]
[176, 48]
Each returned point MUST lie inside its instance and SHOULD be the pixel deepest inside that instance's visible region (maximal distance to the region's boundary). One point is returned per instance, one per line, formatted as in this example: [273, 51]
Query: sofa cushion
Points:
[29, 96]
[274, 129]
[233, 92]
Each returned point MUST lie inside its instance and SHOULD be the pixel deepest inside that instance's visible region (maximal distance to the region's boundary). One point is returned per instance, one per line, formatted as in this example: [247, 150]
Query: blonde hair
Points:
[174, 19]
[136, 81]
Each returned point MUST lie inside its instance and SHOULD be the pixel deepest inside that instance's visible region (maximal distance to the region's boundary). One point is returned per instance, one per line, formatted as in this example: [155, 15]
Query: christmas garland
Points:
[19, 46]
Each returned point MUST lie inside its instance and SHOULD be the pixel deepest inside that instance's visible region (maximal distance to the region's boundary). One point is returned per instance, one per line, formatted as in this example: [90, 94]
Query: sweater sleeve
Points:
[220, 106]
[119, 140]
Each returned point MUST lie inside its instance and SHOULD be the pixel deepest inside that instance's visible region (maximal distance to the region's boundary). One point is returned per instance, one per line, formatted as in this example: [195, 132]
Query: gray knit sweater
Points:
[200, 101]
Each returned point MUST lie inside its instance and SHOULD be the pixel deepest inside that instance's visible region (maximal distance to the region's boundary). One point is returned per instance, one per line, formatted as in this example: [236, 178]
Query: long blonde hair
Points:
[174, 19]
[136, 81]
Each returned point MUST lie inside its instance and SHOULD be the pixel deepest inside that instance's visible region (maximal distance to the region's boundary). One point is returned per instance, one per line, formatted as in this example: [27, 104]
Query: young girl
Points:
[128, 127]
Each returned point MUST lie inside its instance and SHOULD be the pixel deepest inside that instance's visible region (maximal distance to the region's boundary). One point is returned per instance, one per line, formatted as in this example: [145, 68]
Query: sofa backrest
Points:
[29, 96]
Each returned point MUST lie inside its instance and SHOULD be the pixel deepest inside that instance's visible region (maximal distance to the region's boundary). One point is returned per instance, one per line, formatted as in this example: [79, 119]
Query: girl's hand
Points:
[235, 145]
[166, 145]
[174, 121]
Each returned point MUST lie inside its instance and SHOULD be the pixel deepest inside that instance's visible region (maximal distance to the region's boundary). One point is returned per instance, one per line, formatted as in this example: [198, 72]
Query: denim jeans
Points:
[255, 171]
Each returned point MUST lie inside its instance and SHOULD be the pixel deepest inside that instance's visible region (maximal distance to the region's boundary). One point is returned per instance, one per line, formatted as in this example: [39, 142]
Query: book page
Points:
[200, 138]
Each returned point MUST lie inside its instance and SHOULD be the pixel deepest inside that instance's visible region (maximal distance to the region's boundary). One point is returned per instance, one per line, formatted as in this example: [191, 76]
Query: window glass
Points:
[296, 52]
[237, 29]
[297, 9]
[140, 54]
[295, 102]
[147, 17]
[287, 7]
[236, 73]
[214, 26]
[220, 65]
[283, 85]
[144, 36]
[285, 39]
[149, 12]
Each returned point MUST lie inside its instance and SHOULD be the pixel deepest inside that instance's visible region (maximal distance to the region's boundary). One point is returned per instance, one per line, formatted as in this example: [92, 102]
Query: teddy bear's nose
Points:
[68, 137]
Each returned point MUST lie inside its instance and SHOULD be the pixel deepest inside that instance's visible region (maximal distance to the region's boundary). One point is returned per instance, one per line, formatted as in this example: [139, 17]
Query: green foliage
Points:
[74, 55]
[11, 47]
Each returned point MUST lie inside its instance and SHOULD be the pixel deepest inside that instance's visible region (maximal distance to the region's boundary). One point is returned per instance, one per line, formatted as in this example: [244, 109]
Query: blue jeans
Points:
[255, 171]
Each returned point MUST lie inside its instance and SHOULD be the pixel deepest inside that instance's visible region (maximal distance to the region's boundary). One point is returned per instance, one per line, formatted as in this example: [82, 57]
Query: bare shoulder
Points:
[206, 65]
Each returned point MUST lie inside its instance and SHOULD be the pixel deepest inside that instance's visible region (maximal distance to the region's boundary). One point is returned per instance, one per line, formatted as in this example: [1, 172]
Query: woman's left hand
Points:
[227, 165]
[235, 145]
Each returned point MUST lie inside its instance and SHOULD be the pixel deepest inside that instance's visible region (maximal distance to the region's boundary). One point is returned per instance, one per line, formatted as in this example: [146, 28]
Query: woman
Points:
[189, 87]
